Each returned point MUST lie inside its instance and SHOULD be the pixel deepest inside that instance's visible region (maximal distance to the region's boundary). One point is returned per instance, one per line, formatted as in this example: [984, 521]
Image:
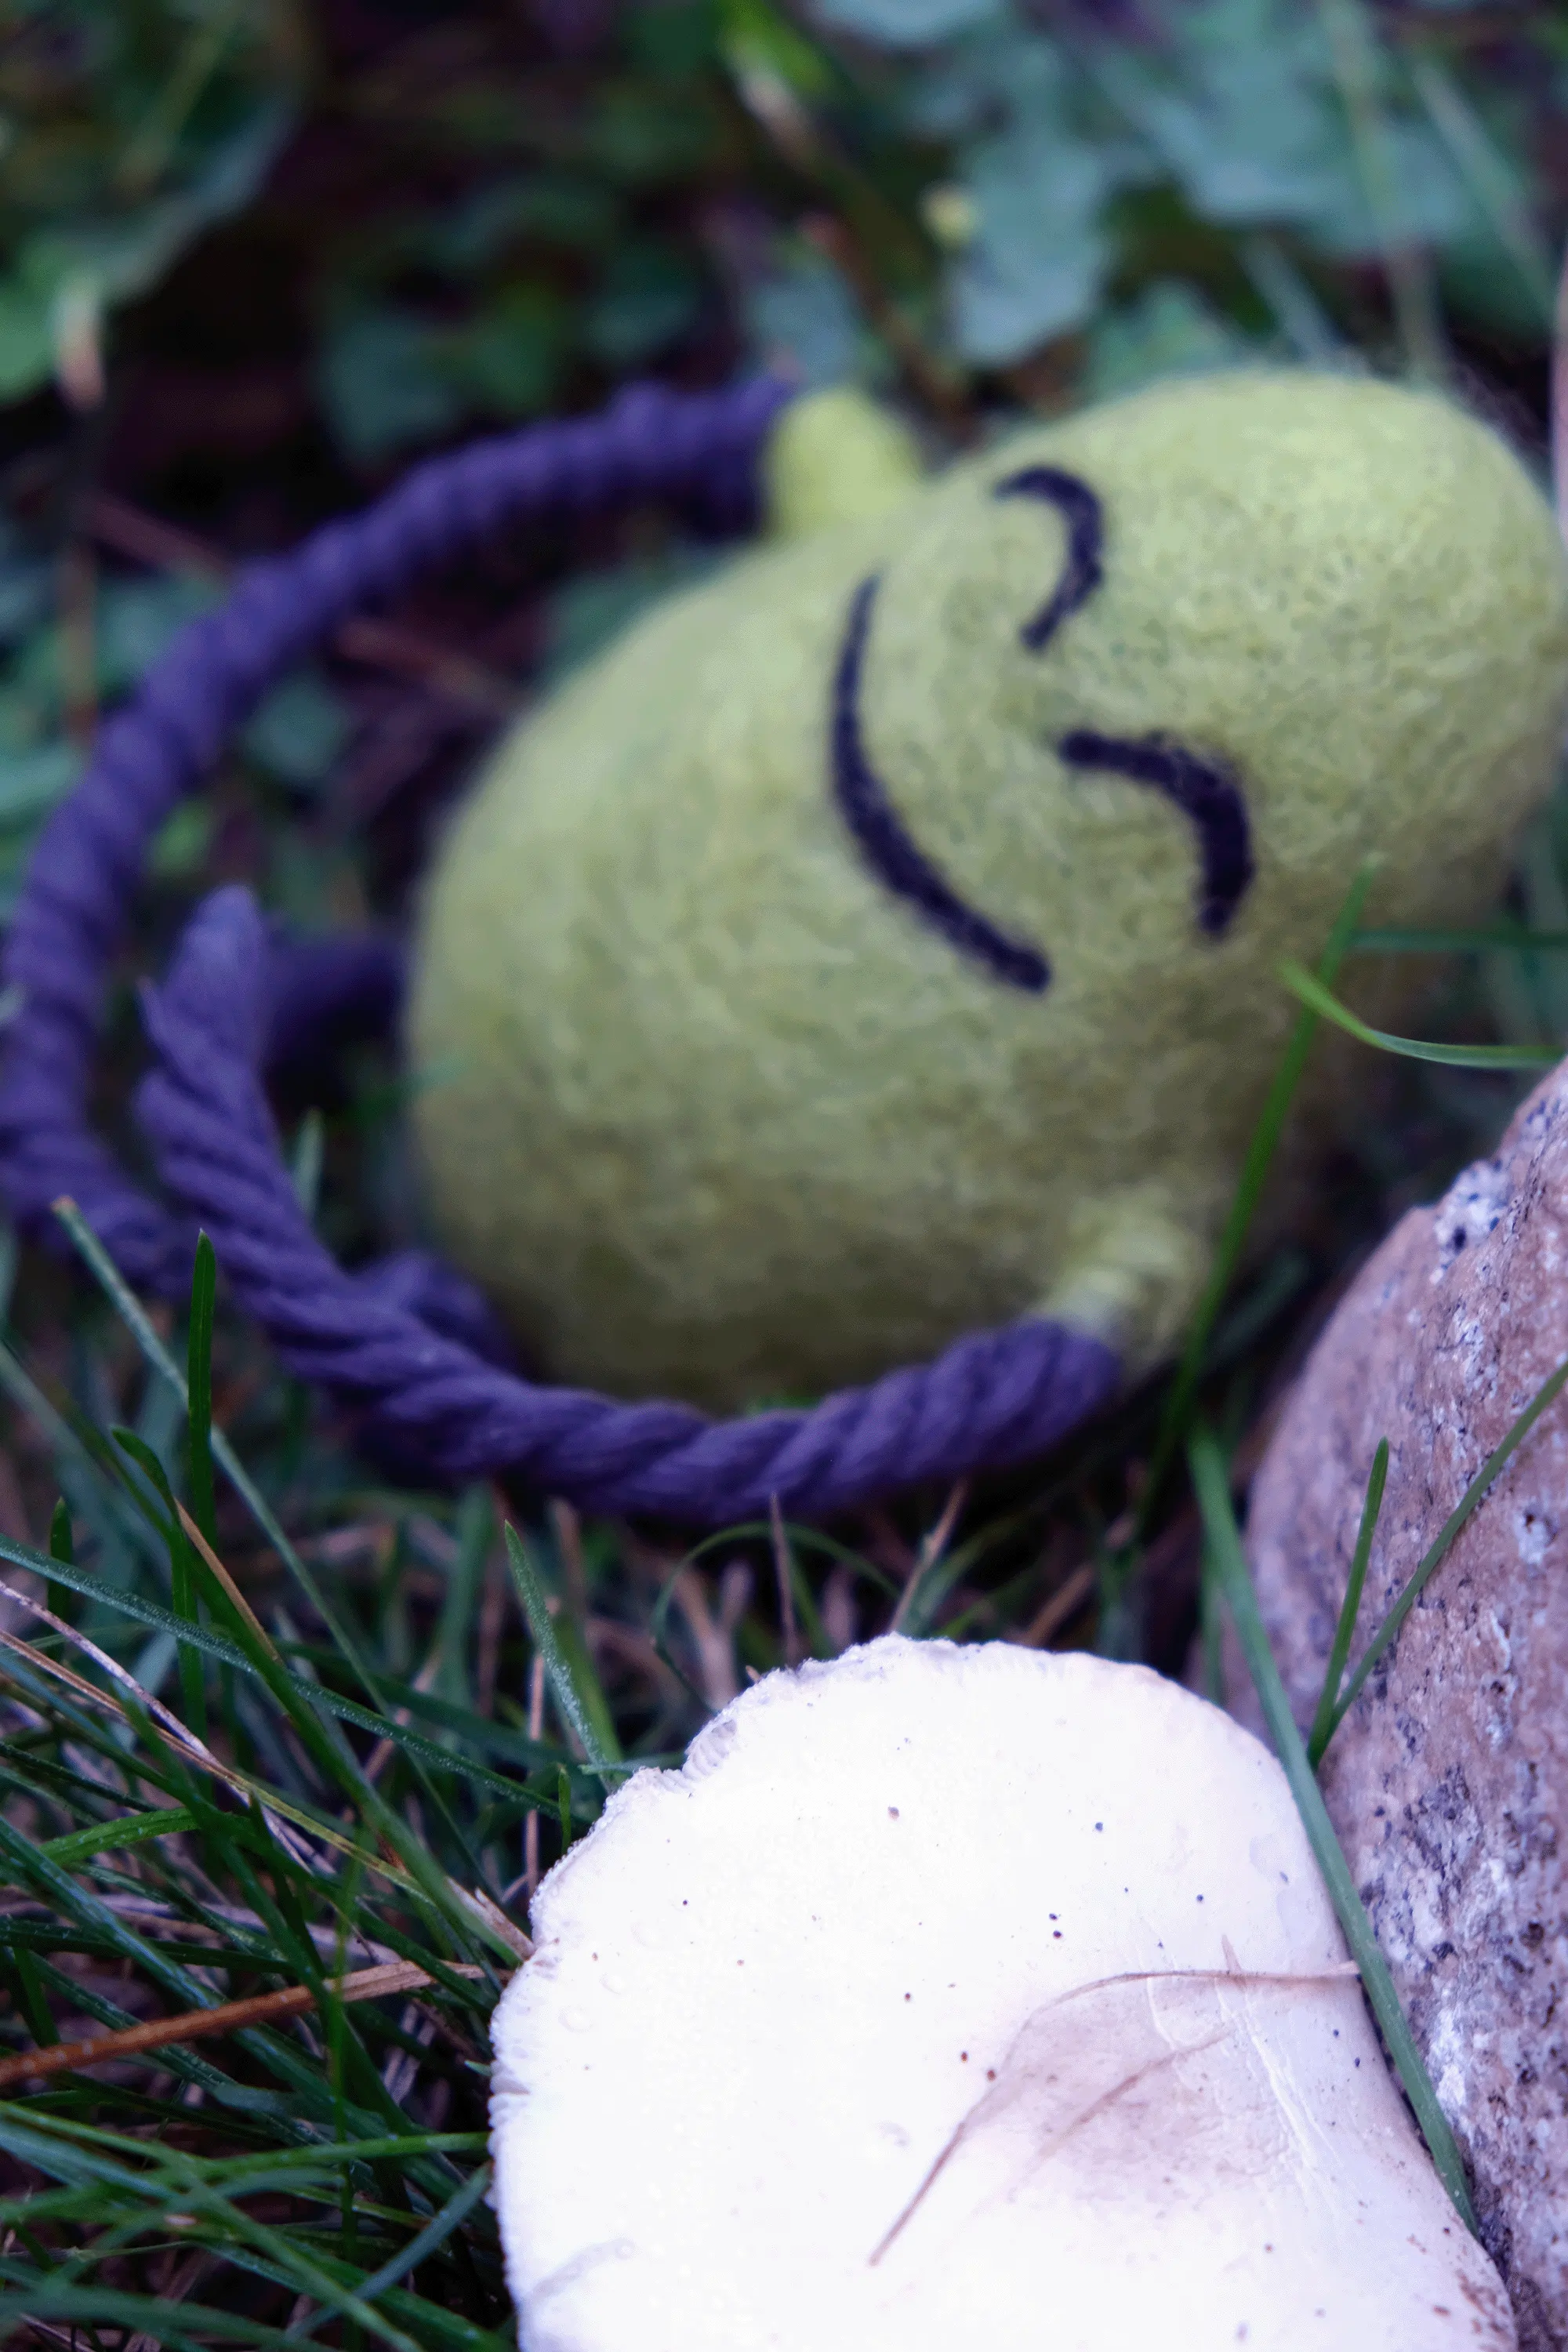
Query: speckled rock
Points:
[1449, 1782]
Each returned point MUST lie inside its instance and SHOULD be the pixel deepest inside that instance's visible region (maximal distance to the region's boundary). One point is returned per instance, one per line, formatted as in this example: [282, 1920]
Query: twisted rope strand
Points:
[444, 1408]
[994, 1397]
[88, 861]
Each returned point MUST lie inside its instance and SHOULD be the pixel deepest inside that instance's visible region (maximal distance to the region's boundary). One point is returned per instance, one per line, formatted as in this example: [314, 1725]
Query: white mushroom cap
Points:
[962, 1996]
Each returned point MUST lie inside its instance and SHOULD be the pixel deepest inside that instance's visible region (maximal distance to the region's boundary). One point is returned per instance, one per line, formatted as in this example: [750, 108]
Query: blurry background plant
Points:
[259, 255]
[260, 252]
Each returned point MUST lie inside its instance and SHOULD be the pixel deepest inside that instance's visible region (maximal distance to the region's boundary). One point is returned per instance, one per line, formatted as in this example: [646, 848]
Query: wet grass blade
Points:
[1212, 1486]
[227, 1653]
[434, 2233]
[531, 1592]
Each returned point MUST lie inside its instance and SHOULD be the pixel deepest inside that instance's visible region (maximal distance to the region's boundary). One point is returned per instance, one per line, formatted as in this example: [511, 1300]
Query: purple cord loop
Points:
[409, 1344]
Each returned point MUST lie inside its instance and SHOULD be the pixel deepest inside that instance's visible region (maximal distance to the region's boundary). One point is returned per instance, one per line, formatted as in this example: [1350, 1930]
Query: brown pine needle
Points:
[261, 2008]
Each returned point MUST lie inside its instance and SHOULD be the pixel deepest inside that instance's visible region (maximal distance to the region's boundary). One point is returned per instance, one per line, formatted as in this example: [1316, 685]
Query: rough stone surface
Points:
[1449, 1781]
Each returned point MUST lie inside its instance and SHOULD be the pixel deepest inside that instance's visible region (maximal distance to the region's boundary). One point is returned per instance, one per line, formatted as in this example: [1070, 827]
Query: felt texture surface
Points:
[834, 458]
[713, 1109]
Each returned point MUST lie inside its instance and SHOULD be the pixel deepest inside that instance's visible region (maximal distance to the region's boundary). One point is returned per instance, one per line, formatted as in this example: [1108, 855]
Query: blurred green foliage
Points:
[536, 216]
[268, 250]
[127, 128]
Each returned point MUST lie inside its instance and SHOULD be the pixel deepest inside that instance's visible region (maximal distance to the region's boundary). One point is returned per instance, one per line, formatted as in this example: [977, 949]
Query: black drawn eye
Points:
[1206, 792]
[1205, 788]
[1202, 787]
[1083, 570]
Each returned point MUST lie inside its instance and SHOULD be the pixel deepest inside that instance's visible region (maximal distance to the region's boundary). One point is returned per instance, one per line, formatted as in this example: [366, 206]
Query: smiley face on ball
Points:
[1204, 789]
[882, 939]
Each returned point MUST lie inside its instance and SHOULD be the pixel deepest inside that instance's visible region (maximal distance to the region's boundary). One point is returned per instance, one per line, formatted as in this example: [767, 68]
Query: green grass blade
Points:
[182, 2328]
[217, 1646]
[476, 1529]
[1176, 1411]
[72, 1454]
[1432, 1560]
[1485, 940]
[62, 1547]
[199, 1391]
[1356, 53]
[132, 1312]
[108, 1837]
[182, 1578]
[1323, 1721]
[332, 1753]
[1212, 1486]
[1320, 1000]
[435, 2234]
[1492, 180]
[542, 1629]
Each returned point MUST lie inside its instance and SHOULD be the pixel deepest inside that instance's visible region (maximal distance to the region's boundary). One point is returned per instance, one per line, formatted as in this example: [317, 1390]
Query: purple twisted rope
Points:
[649, 443]
[994, 1397]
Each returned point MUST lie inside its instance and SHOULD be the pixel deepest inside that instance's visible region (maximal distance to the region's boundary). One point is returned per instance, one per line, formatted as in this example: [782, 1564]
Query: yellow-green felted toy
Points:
[882, 939]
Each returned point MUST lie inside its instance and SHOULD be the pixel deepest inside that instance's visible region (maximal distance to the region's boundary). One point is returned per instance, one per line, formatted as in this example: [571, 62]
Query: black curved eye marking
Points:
[1204, 789]
[888, 848]
[1083, 571]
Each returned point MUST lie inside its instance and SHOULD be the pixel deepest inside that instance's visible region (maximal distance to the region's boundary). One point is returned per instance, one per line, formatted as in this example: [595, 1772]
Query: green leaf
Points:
[299, 730]
[111, 259]
[509, 358]
[108, 1837]
[647, 298]
[549, 208]
[384, 386]
[33, 783]
[1169, 330]
[1039, 255]
[182, 843]
[26, 342]
[590, 611]
[1237, 104]
[1429, 203]
[1036, 174]
[26, 587]
[214, 1644]
[137, 620]
[803, 320]
[646, 137]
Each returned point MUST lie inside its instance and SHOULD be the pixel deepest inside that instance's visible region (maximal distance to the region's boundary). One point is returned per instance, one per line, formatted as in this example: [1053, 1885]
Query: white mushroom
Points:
[962, 1996]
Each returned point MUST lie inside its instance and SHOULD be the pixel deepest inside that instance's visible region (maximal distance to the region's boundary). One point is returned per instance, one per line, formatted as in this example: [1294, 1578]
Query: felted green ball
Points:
[835, 457]
[882, 939]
